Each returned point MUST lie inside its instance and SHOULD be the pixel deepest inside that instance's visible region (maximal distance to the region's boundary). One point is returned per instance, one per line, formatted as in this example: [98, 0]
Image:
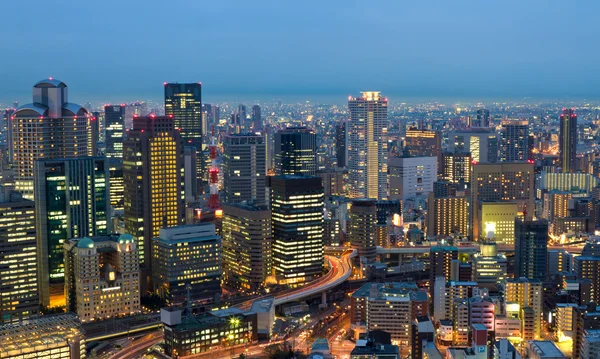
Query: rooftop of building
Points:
[592, 335]
[478, 326]
[320, 344]
[524, 280]
[363, 347]
[50, 82]
[545, 348]
[443, 248]
[390, 287]
[42, 331]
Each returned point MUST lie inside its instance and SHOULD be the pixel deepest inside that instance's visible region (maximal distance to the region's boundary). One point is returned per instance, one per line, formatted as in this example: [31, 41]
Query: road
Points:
[340, 270]
[139, 346]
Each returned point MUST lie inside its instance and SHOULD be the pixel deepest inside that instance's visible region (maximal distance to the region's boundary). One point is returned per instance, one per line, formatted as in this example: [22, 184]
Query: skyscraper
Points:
[247, 242]
[341, 151]
[531, 238]
[411, 177]
[296, 152]
[50, 127]
[457, 168]
[72, 201]
[183, 103]
[481, 143]
[362, 226]
[153, 181]
[297, 220]
[244, 168]
[114, 119]
[505, 182]
[19, 296]
[515, 141]
[257, 122]
[447, 215]
[367, 146]
[483, 118]
[425, 143]
[567, 141]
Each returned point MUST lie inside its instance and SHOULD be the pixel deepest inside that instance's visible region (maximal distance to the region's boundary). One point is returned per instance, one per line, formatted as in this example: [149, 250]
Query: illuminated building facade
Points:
[247, 241]
[481, 143]
[567, 181]
[411, 177]
[46, 337]
[296, 152]
[117, 189]
[297, 220]
[102, 277]
[506, 182]
[457, 168]
[567, 140]
[367, 146]
[72, 201]
[50, 127]
[440, 264]
[362, 227]
[184, 103]
[153, 181]
[186, 334]
[447, 215]
[489, 267]
[498, 218]
[531, 238]
[187, 257]
[341, 147]
[588, 267]
[114, 119]
[19, 296]
[424, 143]
[528, 294]
[515, 141]
[244, 168]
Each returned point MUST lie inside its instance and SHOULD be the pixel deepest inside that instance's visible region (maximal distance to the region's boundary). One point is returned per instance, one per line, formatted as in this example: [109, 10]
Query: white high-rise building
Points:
[50, 127]
[367, 146]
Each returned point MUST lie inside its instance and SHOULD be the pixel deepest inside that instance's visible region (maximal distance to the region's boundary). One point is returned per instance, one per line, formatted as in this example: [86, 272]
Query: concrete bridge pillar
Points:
[323, 300]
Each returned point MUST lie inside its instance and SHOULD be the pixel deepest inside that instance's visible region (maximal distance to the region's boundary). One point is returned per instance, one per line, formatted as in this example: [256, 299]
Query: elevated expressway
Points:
[340, 270]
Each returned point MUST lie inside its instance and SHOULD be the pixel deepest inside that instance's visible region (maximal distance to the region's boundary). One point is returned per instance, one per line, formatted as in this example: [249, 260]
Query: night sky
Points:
[111, 50]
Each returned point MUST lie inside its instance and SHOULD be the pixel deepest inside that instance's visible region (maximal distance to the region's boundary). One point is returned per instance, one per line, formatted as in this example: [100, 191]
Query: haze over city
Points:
[323, 50]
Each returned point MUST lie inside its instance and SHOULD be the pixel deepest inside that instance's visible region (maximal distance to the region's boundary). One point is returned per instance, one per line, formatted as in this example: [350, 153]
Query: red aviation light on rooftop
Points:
[50, 78]
[164, 84]
[473, 162]
[529, 161]
[152, 115]
[124, 105]
[170, 116]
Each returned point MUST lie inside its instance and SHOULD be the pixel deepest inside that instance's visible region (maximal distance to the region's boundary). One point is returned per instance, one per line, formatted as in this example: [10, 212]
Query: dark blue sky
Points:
[108, 50]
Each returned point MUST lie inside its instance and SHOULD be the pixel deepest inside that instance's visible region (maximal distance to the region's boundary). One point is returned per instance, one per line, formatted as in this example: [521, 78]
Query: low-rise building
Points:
[542, 349]
[503, 349]
[50, 336]
[590, 349]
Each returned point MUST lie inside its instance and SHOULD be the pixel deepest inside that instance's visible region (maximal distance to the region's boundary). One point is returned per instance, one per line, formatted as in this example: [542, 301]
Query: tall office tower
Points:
[8, 130]
[447, 215]
[489, 267]
[481, 143]
[515, 141]
[528, 294]
[425, 143]
[187, 257]
[457, 168]
[117, 190]
[440, 265]
[191, 180]
[243, 113]
[114, 119]
[531, 238]
[362, 226]
[49, 336]
[244, 168]
[19, 297]
[93, 135]
[341, 148]
[50, 127]
[567, 140]
[111, 263]
[367, 146]
[296, 152]
[297, 220]
[411, 177]
[257, 122]
[153, 182]
[504, 182]
[72, 198]
[183, 103]
[247, 241]
[483, 118]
